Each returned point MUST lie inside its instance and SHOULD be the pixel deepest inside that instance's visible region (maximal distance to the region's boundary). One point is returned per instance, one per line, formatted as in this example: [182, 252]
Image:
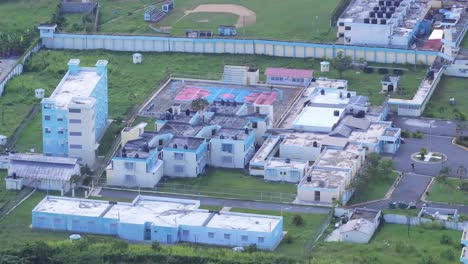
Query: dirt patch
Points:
[246, 16]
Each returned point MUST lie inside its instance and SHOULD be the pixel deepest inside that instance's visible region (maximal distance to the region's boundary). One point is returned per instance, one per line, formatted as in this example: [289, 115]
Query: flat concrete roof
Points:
[283, 163]
[330, 83]
[71, 206]
[327, 179]
[465, 234]
[304, 139]
[80, 84]
[190, 143]
[265, 149]
[372, 135]
[330, 97]
[232, 133]
[237, 221]
[318, 117]
[344, 159]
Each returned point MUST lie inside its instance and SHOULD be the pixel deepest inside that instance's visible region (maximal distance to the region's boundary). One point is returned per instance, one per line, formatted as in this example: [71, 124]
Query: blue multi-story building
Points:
[75, 116]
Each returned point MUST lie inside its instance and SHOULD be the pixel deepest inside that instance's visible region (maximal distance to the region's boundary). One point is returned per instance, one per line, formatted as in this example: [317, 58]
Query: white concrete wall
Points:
[87, 140]
[238, 154]
[355, 237]
[299, 152]
[189, 162]
[365, 34]
[117, 172]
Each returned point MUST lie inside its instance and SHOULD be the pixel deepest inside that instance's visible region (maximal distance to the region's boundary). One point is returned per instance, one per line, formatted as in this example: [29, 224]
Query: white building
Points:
[185, 157]
[232, 148]
[361, 226]
[45, 173]
[285, 169]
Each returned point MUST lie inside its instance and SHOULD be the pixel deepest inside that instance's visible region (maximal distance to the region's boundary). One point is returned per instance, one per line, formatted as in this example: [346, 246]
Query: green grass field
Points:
[5, 195]
[391, 244]
[300, 234]
[299, 20]
[448, 193]
[464, 43]
[448, 87]
[376, 189]
[23, 14]
[46, 68]
[223, 183]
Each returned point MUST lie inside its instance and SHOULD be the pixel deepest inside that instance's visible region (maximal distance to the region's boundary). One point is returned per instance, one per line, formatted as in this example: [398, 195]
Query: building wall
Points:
[327, 195]
[101, 108]
[288, 81]
[299, 152]
[193, 162]
[242, 152]
[361, 33]
[146, 173]
[82, 147]
[234, 46]
[284, 174]
[54, 130]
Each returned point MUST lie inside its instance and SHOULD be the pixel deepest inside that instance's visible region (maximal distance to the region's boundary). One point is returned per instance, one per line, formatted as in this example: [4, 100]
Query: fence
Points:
[339, 9]
[234, 46]
[18, 68]
[12, 139]
[310, 244]
[227, 193]
[415, 221]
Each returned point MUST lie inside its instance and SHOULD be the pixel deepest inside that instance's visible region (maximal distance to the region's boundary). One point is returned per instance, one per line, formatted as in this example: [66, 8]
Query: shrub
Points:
[155, 246]
[464, 187]
[432, 226]
[405, 134]
[418, 134]
[445, 240]
[428, 260]
[448, 255]
[288, 239]
[298, 220]
[383, 70]
[252, 248]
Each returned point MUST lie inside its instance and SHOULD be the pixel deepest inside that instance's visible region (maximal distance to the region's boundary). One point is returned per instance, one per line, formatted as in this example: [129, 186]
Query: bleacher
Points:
[154, 14]
[235, 74]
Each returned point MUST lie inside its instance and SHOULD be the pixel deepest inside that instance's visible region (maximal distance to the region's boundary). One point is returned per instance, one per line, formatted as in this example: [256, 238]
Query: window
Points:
[57, 222]
[75, 134]
[341, 35]
[59, 118]
[185, 233]
[227, 236]
[47, 117]
[261, 239]
[244, 238]
[341, 24]
[347, 28]
[47, 106]
[226, 148]
[76, 146]
[74, 110]
[160, 142]
[130, 179]
[179, 156]
[129, 165]
[47, 130]
[179, 169]
[60, 130]
[210, 235]
[227, 159]
[317, 196]
[75, 121]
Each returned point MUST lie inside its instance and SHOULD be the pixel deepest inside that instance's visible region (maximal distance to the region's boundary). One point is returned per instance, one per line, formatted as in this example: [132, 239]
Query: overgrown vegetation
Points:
[374, 180]
[439, 107]
[448, 190]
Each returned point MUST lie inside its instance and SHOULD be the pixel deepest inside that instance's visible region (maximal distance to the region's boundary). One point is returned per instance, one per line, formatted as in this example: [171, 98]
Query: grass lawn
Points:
[5, 195]
[46, 68]
[295, 20]
[23, 14]
[15, 228]
[108, 139]
[391, 244]
[448, 193]
[448, 87]
[376, 189]
[203, 21]
[31, 136]
[300, 234]
[464, 43]
[72, 23]
[229, 184]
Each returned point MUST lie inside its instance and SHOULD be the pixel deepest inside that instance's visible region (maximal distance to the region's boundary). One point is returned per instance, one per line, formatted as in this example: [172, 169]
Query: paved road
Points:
[411, 188]
[223, 202]
[427, 126]
[456, 155]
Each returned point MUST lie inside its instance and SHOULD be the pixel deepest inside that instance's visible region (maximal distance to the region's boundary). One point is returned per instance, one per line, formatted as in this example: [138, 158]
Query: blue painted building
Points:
[185, 157]
[75, 116]
[160, 219]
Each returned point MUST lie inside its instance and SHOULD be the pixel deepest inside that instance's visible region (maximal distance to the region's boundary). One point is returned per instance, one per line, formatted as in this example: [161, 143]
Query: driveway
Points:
[456, 155]
[411, 188]
[427, 126]
[107, 193]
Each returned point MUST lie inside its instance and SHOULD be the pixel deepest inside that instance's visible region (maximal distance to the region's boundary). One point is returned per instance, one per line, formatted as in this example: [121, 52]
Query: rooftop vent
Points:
[246, 131]
[222, 102]
[336, 113]
[185, 146]
[235, 137]
[175, 145]
[221, 136]
[187, 112]
[309, 178]
[374, 21]
[366, 20]
[213, 132]
[322, 92]
[315, 144]
[372, 14]
[379, 14]
[383, 21]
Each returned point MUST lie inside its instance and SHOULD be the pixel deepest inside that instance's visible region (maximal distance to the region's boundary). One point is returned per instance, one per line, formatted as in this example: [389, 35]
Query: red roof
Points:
[433, 44]
[283, 72]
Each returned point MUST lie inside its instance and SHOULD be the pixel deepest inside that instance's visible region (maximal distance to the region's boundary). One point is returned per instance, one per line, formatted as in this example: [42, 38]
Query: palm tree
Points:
[200, 105]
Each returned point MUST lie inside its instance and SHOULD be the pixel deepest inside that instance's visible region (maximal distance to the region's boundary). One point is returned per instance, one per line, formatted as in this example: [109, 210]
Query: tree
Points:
[341, 63]
[386, 167]
[373, 161]
[298, 220]
[422, 153]
[200, 105]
